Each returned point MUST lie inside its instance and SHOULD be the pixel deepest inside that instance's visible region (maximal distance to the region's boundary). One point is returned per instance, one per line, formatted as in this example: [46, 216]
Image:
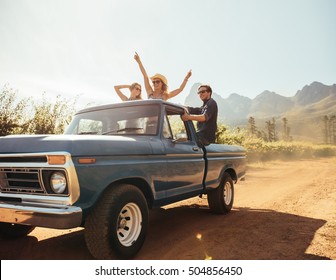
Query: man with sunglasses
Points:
[206, 116]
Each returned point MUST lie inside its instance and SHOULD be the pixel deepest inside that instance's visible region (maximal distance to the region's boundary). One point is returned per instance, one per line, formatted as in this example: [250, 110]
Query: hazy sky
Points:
[81, 47]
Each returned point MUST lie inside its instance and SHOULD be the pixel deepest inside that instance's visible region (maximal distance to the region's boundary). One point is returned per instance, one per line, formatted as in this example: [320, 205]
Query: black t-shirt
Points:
[206, 131]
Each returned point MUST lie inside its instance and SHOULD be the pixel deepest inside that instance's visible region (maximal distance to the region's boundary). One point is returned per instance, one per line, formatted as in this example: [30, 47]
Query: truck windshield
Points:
[119, 120]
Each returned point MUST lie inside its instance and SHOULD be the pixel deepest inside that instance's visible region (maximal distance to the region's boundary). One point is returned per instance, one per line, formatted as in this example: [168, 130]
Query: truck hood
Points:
[76, 145]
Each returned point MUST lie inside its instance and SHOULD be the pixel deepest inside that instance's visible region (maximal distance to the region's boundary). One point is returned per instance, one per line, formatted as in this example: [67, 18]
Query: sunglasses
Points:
[202, 91]
[138, 88]
[156, 82]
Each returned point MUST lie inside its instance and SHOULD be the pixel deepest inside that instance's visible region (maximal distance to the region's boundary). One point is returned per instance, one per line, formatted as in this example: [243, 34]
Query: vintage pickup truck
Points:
[113, 164]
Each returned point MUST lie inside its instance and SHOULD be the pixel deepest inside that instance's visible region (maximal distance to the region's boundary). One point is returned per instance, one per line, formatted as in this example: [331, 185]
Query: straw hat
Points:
[161, 77]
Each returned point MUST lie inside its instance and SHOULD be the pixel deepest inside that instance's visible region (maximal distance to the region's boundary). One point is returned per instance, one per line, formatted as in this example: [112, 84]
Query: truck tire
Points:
[221, 199]
[116, 228]
[14, 231]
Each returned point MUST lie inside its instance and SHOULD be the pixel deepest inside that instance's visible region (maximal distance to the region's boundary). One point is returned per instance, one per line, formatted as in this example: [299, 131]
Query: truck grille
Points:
[24, 159]
[20, 180]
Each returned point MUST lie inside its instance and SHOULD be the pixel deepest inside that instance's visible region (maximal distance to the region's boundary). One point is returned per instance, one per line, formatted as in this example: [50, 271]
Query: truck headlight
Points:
[58, 182]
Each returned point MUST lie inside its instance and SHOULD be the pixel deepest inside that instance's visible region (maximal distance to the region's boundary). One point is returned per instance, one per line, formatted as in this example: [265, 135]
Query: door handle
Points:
[195, 149]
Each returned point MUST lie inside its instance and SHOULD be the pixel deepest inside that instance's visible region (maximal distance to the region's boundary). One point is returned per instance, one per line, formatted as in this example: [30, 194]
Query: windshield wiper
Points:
[121, 130]
[88, 133]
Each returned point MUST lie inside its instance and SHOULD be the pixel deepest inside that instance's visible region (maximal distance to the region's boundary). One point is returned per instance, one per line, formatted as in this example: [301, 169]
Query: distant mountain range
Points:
[304, 111]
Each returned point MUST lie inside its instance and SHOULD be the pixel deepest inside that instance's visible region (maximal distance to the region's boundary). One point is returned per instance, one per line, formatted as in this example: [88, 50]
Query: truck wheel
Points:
[117, 226]
[14, 231]
[221, 199]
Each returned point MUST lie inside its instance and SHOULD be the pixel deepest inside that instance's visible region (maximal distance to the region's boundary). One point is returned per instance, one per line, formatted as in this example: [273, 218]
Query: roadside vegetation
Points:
[28, 116]
[259, 149]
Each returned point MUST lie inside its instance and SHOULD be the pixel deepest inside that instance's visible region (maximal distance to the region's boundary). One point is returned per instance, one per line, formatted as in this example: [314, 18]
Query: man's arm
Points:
[199, 118]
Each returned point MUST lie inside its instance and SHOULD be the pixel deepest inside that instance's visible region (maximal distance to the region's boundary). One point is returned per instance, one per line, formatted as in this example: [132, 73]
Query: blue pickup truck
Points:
[113, 164]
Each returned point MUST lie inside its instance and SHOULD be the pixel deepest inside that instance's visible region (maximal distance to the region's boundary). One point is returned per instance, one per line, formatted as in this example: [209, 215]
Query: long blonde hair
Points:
[165, 91]
[133, 86]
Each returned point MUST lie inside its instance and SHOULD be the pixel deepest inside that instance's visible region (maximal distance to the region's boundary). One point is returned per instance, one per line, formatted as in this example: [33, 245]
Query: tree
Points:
[252, 126]
[332, 129]
[51, 118]
[286, 130]
[329, 129]
[13, 116]
[220, 132]
[326, 129]
[271, 130]
[224, 135]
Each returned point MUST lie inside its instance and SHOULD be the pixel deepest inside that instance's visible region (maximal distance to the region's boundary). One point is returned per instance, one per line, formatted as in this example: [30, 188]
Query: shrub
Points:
[259, 150]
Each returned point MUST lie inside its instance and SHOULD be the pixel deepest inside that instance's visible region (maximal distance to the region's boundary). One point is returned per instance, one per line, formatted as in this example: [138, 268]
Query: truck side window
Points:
[166, 132]
[177, 126]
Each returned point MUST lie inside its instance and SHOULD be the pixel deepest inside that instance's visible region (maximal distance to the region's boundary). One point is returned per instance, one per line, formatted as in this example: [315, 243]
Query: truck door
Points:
[185, 163]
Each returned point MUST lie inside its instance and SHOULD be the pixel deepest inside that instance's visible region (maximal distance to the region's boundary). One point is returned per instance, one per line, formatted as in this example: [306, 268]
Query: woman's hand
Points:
[188, 74]
[148, 87]
[137, 57]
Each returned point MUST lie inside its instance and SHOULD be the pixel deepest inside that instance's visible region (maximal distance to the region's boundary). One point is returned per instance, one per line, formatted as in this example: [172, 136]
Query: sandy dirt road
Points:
[284, 210]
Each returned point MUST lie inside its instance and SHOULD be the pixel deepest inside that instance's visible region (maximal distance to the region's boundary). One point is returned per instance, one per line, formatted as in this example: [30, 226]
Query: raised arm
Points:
[118, 88]
[182, 86]
[148, 87]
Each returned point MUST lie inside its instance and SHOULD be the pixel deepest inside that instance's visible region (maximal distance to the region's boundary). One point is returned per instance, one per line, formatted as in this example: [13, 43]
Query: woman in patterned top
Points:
[159, 90]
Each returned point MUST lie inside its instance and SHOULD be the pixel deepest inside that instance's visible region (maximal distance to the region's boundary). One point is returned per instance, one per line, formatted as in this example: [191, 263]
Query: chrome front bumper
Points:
[33, 214]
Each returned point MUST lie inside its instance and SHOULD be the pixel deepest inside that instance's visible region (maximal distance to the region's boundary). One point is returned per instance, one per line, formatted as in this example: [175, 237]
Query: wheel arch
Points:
[232, 174]
[141, 184]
